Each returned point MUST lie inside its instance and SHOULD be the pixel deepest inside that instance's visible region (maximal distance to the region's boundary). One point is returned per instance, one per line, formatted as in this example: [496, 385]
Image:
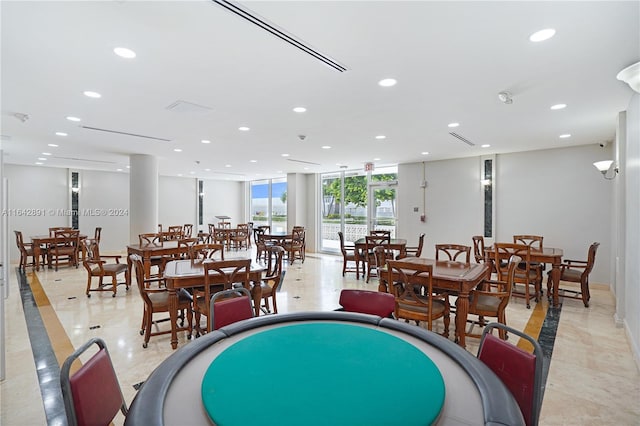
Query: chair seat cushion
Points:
[438, 307]
[573, 275]
[484, 302]
[114, 268]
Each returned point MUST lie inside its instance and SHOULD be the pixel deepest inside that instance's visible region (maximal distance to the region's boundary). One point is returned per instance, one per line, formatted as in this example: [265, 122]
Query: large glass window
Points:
[346, 205]
[269, 203]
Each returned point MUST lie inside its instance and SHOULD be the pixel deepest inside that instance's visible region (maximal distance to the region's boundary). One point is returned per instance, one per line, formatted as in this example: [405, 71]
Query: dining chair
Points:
[367, 302]
[523, 274]
[270, 283]
[217, 235]
[576, 271]
[155, 298]
[295, 247]
[381, 254]
[228, 307]
[98, 267]
[26, 250]
[97, 233]
[187, 230]
[415, 299]
[535, 242]
[349, 254]
[372, 241]
[92, 395]
[491, 298]
[153, 239]
[453, 252]
[240, 237]
[380, 233]
[202, 251]
[520, 371]
[218, 275]
[478, 248]
[174, 233]
[54, 229]
[65, 247]
[413, 251]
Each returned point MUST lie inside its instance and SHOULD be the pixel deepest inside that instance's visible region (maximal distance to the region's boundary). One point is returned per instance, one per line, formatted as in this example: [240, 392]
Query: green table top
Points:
[322, 373]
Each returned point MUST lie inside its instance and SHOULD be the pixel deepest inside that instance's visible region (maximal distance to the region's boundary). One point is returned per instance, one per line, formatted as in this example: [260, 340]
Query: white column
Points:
[143, 195]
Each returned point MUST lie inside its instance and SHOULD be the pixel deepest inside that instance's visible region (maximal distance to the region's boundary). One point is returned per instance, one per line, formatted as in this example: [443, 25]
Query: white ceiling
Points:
[451, 59]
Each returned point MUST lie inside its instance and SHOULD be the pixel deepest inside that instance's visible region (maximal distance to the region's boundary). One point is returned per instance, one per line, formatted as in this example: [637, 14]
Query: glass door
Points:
[382, 201]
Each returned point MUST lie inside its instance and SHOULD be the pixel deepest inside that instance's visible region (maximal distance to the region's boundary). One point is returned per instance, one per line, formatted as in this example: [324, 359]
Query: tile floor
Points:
[592, 377]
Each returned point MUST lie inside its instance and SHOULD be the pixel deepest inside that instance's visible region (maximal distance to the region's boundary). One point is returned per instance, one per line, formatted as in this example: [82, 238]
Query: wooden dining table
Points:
[40, 240]
[458, 278]
[147, 251]
[187, 274]
[546, 255]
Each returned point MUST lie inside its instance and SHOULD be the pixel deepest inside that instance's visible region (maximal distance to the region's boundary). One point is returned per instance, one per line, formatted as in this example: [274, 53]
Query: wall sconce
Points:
[485, 182]
[76, 190]
[604, 167]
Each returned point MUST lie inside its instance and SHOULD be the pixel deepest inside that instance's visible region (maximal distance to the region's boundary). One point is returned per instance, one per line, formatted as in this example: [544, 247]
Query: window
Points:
[269, 203]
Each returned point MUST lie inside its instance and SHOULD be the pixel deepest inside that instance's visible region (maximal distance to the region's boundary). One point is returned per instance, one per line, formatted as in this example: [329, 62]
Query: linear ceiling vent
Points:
[281, 34]
[302, 161]
[84, 159]
[185, 106]
[462, 138]
[126, 133]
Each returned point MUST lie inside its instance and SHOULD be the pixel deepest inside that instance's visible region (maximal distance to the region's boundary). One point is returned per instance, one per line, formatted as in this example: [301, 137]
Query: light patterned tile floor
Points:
[592, 380]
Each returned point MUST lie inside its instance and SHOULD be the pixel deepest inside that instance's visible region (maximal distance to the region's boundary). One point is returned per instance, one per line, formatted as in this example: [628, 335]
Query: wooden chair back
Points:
[187, 230]
[533, 241]
[478, 248]
[453, 252]
[150, 239]
[52, 230]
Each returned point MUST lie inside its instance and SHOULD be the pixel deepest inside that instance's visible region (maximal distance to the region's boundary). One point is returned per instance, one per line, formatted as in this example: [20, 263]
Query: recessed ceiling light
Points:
[542, 35]
[299, 109]
[205, 141]
[177, 150]
[227, 165]
[192, 172]
[284, 155]
[380, 137]
[42, 159]
[326, 147]
[46, 153]
[61, 134]
[564, 136]
[558, 106]
[91, 94]
[70, 118]
[253, 161]
[453, 124]
[425, 153]
[207, 170]
[279, 171]
[376, 159]
[179, 174]
[486, 145]
[387, 82]
[244, 128]
[128, 167]
[123, 52]
[118, 170]
[305, 168]
[53, 145]
[39, 163]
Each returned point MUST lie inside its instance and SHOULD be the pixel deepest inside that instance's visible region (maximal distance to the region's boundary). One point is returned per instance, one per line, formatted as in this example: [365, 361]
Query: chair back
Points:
[412, 287]
[150, 239]
[97, 233]
[418, 250]
[174, 233]
[203, 251]
[380, 233]
[533, 241]
[92, 250]
[52, 230]
[230, 306]
[187, 230]
[92, 395]
[185, 246]
[381, 254]
[228, 272]
[367, 302]
[274, 264]
[19, 240]
[376, 240]
[591, 258]
[478, 248]
[453, 252]
[503, 252]
[520, 371]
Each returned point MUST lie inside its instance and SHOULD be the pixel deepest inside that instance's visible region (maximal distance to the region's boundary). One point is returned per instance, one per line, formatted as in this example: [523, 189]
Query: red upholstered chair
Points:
[230, 306]
[92, 395]
[367, 302]
[519, 370]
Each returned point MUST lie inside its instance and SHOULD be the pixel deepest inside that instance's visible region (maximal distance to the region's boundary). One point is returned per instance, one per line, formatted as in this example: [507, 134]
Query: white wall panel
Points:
[177, 199]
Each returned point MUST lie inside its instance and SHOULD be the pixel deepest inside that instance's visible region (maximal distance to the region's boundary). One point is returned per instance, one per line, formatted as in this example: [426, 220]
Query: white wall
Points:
[631, 175]
[177, 201]
[555, 193]
[42, 193]
[104, 202]
[453, 202]
[223, 198]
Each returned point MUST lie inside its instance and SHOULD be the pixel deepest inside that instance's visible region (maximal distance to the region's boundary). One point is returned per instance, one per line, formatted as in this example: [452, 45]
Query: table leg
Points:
[173, 315]
[36, 255]
[555, 283]
[462, 309]
[256, 296]
[130, 269]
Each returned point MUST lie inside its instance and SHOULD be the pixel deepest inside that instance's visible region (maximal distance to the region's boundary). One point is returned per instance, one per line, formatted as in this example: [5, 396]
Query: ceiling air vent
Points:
[462, 138]
[84, 159]
[302, 161]
[184, 106]
[125, 133]
[281, 34]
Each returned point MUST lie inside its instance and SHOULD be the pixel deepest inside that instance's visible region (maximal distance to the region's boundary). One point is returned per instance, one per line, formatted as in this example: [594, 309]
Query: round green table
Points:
[321, 373]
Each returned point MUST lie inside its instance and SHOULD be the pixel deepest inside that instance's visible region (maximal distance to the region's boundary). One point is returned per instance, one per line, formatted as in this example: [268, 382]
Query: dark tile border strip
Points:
[547, 339]
[44, 356]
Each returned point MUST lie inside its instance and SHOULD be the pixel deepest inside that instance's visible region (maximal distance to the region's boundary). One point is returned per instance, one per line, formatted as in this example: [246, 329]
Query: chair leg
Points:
[115, 285]
[275, 306]
[88, 286]
[147, 328]
[584, 289]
